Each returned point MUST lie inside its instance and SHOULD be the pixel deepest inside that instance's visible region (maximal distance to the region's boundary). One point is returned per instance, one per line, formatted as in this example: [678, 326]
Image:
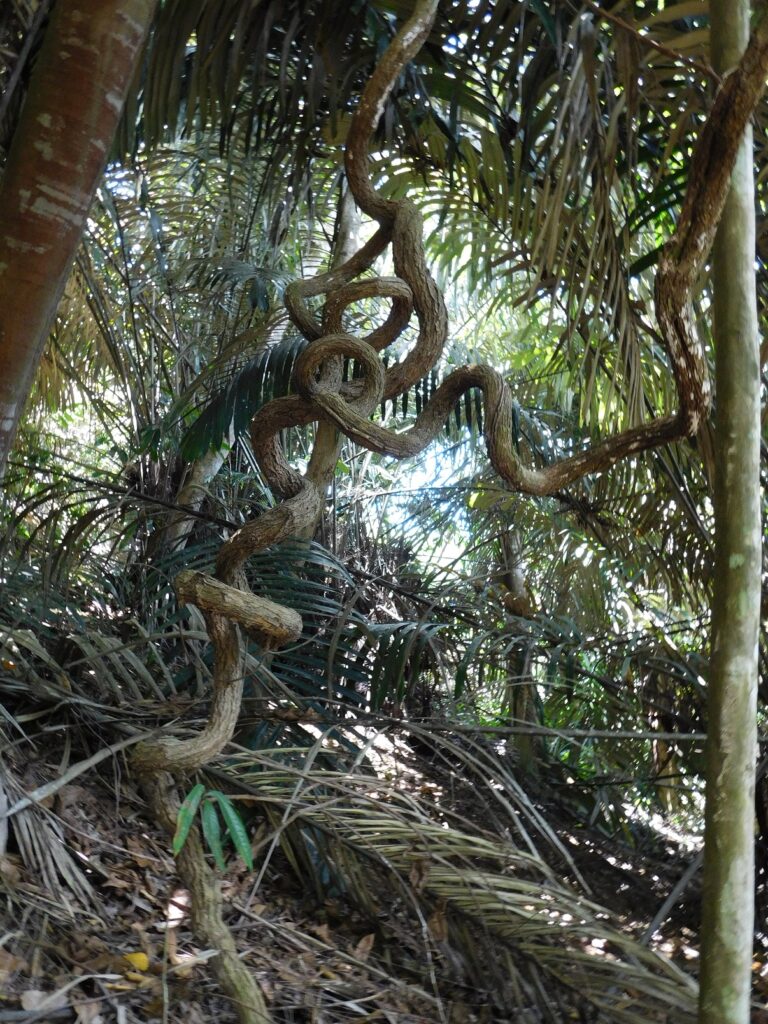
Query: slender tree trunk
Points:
[728, 895]
[81, 76]
[174, 535]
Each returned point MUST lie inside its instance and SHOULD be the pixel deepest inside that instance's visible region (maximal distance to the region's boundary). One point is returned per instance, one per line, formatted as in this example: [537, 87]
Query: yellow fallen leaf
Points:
[142, 981]
[140, 961]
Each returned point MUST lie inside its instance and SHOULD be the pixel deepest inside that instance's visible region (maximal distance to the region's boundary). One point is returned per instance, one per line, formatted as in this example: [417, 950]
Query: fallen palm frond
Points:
[461, 908]
[53, 878]
[488, 911]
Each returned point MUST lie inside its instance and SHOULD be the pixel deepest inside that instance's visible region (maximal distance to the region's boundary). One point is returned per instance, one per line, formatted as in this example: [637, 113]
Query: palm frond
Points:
[516, 931]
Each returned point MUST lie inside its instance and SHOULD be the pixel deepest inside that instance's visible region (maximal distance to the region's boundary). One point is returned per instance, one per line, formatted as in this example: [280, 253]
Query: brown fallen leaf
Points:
[419, 873]
[116, 882]
[139, 853]
[363, 948]
[437, 923]
[10, 963]
[87, 1011]
[10, 868]
[323, 932]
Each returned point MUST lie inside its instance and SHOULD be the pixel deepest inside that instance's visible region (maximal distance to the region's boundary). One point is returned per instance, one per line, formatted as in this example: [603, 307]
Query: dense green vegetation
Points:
[488, 685]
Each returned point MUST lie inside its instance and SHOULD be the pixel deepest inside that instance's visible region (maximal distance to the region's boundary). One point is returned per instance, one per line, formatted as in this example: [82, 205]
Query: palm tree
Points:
[60, 147]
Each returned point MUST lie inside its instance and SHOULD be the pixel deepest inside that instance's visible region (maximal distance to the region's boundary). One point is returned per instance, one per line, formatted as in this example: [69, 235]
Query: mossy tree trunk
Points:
[728, 894]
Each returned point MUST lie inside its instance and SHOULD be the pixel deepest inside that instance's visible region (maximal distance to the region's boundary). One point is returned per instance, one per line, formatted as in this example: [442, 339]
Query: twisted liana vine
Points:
[322, 396]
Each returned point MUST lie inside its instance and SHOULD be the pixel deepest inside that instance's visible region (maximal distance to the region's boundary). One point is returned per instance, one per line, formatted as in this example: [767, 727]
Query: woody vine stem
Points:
[322, 396]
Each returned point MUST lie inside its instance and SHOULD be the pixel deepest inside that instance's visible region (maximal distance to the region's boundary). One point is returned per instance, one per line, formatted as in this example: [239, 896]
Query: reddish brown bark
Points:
[59, 149]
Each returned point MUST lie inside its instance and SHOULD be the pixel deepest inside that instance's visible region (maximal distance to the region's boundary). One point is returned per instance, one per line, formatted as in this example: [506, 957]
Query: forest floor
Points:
[123, 950]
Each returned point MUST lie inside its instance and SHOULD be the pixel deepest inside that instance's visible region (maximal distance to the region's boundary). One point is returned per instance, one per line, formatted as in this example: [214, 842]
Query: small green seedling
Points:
[213, 806]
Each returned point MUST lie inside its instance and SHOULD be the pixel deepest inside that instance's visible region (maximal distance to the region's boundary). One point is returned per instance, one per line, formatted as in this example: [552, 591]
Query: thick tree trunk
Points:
[728, 895]
[59, 149]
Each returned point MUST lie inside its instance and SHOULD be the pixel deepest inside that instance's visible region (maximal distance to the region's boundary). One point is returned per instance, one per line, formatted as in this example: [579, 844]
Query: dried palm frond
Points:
[493, 914]
[50, 876]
